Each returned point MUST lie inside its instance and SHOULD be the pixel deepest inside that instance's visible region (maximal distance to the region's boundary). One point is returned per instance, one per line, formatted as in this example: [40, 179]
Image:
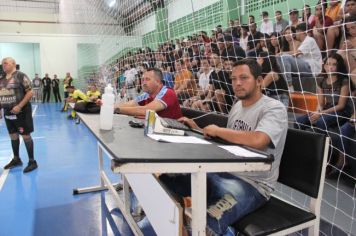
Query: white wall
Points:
[145, 26]
[179, 8]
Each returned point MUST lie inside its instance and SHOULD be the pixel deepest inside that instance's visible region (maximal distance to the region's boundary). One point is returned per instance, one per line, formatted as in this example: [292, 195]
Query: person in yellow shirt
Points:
[93, 93]
[68, 80]
[184, 82]
[75, 95]
[333, 11]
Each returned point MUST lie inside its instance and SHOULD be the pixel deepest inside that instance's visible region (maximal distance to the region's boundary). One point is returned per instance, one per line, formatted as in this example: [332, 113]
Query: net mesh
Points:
[196, 42]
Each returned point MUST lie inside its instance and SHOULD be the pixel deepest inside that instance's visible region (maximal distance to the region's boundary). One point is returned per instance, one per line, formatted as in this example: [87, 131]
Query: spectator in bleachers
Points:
[273, 84]
[348, 48]
[244, 37]
[221, 83]
[306, 61]
[344, 142]
[229, 50]
[294, 17]
[275, 45]
[131, 81]
[280, 23]
[320, 25]
[184, 82]
[334, 10]
[289, 43]
[307, 17]
[335, 34]
[251, 19]
[254, 41]
[233, 29]
[167, 77]
[266, 24]
[333, 91]
[204, 90]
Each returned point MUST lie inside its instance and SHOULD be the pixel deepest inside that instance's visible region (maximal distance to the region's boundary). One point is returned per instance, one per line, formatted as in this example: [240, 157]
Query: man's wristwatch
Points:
[117, 110]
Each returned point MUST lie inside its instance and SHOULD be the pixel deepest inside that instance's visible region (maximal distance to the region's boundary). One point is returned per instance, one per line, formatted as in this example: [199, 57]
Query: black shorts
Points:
[23, 124]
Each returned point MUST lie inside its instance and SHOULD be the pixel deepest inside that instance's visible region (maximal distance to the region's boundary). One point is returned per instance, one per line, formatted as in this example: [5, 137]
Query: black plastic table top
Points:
[129, 145]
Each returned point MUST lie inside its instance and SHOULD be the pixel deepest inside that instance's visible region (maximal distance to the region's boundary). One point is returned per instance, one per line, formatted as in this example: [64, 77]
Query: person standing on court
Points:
[46, 83]
[55, 87]
[66, 82]
[36, 88]
[15, 95]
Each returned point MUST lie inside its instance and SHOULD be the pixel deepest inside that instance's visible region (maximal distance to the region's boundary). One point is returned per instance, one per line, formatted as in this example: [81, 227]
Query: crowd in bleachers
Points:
[320, 47]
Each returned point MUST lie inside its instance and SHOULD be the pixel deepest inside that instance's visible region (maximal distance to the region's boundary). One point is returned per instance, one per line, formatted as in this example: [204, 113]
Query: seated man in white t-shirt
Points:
[307, 61]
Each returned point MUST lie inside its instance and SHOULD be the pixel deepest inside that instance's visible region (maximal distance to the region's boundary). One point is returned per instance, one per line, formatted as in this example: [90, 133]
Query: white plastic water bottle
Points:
[107, 109]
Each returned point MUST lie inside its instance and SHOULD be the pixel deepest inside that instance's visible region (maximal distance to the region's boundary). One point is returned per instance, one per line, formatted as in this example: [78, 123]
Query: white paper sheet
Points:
[178, 139]
[240, 151]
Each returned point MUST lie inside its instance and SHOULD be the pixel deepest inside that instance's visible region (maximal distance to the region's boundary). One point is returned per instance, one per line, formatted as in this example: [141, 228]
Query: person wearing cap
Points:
[229, 50]
[155, 96]
[280, 23]
[266, 25]
[294, 17]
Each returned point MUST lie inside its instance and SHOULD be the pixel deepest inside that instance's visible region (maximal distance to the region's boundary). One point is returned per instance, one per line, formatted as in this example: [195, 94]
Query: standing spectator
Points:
[333, 90]
[266, 25]
[36, 88]
[68, 80]
[251, 19]
[293, 17]
[46, 84]
[15, 97]
[280, 24]
[55, 87]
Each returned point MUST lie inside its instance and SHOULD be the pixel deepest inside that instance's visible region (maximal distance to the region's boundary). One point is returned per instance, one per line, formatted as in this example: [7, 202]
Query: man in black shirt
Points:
[55, 87]
[253, 41]
[229, 50]
[46, 83]
[15, 95]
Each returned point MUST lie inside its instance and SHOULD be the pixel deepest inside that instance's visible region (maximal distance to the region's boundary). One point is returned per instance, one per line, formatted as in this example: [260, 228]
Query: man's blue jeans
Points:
[289, 65]
[324, 122]
[242, 199]
[228, 197]
[344, 141]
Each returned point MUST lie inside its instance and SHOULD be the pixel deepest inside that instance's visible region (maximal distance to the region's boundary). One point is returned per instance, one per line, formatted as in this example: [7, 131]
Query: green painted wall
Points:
[88, 63]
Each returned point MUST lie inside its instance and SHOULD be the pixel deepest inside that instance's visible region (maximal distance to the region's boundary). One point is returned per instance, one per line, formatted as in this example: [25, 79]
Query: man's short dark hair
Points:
[264, 13]
[70, 87]
[279, 12]
[157, 72]
[350, 18]
[301, 27]
[255, 68]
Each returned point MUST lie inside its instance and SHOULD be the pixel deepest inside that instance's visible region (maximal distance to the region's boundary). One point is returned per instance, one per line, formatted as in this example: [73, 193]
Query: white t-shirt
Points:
[243, 42]
[266, 27]
[130, 76]
[204, 80]
[269, 116]
[311, 54]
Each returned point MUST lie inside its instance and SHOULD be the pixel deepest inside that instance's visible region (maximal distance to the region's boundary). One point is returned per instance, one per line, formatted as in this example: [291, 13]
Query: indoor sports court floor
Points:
[42, 203]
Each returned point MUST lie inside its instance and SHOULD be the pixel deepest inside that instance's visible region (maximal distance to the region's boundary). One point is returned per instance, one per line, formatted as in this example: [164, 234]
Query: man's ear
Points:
[259, 81]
